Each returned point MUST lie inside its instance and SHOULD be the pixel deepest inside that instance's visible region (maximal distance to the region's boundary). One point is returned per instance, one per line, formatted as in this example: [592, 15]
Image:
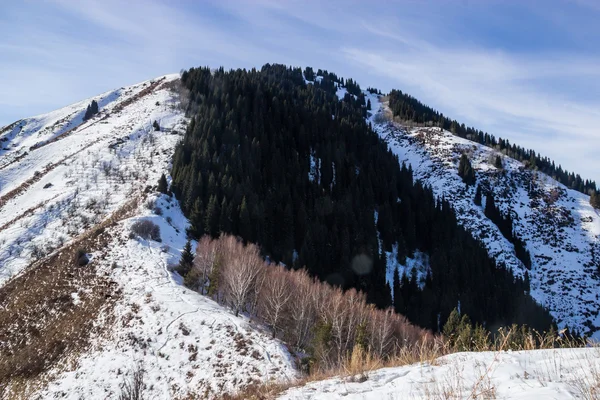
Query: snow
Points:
[186, 343]
[60, 176]
[525, 375]
[560, 228]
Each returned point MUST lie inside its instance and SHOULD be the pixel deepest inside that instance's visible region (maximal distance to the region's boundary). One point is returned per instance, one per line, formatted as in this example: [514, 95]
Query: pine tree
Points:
[465, 170]
[398, 301]
[490, 208]
[162, 184]
[595, 199]
[498, 163]
[477, 199]
[91, 110]
[245, 224]
[212, 216]
[186, 260]
[452, 325]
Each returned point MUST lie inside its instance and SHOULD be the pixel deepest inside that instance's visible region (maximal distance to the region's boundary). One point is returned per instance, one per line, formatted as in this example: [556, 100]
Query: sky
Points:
[527, 71]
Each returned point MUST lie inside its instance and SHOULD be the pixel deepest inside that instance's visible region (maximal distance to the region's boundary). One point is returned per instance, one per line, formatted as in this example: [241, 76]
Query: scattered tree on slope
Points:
[410, 109]
[465, 170]
[91, 110]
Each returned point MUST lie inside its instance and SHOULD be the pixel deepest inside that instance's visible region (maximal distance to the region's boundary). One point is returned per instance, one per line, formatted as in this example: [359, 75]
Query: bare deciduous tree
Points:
[274, 297]
[207, 253]
[241, 267]
[302, 313]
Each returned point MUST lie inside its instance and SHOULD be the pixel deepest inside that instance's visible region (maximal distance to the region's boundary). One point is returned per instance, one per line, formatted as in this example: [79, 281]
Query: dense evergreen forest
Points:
[288, 166]
[410, 109]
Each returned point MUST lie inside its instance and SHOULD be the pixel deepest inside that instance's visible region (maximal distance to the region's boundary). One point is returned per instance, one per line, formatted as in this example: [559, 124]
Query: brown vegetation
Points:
[41, 324]
[329, 323]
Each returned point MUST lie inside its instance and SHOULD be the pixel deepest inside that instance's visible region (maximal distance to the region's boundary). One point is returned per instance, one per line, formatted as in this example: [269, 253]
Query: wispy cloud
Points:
[512, 96]
[517, 70]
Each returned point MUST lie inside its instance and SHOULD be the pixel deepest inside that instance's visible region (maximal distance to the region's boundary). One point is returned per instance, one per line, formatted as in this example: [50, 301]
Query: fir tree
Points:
[186, 260]
[212, 216]
[498, 162]
[162, 184]
[452, 325]
[91, 110]
[477, 199]
[398, 301]
[244, 221]
[595, 199]
[465, 170]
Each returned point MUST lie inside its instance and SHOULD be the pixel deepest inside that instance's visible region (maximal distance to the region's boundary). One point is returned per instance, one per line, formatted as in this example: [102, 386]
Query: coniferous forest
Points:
[286, 165]
[410, 109]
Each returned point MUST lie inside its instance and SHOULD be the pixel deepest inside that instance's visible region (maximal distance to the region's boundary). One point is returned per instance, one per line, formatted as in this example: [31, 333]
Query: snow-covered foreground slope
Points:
[60, 178]
[537, 374]
[560, 228]
[187, 344]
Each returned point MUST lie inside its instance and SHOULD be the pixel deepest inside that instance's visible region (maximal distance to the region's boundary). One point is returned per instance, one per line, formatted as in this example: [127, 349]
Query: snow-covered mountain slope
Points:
[59, 176]
[187, 344]
[537, 374]
[68, 186]
[560, 228]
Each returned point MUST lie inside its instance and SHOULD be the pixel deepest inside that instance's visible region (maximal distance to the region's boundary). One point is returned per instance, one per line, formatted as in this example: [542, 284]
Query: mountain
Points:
[558, 226]
[84, 304]
[99, 200]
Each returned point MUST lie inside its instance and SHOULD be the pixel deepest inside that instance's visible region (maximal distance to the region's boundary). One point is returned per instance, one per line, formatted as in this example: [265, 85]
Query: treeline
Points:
[309, 315]
[408, 108]
[286, 165]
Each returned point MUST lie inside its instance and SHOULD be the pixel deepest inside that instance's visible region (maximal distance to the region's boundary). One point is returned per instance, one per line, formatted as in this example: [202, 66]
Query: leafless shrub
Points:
[146, 230]
[133, 388]
[150, 204]
[80, 257]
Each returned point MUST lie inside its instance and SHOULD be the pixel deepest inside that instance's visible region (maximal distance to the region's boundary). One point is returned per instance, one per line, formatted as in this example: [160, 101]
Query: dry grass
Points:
[40, 325]
[355, 368]
[360, 364]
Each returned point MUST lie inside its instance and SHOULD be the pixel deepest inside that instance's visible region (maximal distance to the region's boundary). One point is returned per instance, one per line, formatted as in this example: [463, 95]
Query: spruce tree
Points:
[452, 325]
[186, 260]
[398, 302]
[595, 199]
[465, 170]
[162, 184]
[477, 199]
[245, 225]
[498, 162]
[91, 110]
[212, 216]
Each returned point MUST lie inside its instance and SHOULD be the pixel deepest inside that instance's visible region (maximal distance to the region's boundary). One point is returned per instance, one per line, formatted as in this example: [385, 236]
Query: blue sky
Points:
[525, 70]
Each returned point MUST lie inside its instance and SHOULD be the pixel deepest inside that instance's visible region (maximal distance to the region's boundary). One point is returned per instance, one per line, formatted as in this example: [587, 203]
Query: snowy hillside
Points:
[72, 187]
[537, 374]
[560, 228]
